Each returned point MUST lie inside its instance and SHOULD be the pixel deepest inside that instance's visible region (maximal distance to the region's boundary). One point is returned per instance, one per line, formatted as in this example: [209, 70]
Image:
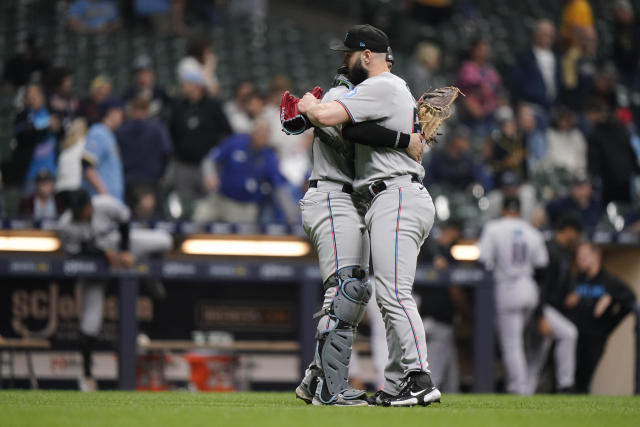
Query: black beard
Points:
[358, 74]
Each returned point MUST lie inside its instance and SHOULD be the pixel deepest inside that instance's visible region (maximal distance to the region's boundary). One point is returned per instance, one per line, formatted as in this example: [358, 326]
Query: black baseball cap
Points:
[361, 37]
[44, 175]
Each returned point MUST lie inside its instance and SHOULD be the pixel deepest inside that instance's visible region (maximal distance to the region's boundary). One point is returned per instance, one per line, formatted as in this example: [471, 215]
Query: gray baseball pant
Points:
[399, 220]
[142, 242]
[515, 303]
[334, 224]
[565, 335]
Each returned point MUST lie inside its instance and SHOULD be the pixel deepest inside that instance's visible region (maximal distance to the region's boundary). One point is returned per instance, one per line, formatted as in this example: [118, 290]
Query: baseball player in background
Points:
[400, 212]
[513, 249]
[99, 227]
[332, 217]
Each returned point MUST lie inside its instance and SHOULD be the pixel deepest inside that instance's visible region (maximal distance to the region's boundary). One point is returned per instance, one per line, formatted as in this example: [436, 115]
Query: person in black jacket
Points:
[597, 305]
[198, 123]
[555, 284]
[535, 77]
[610, 155]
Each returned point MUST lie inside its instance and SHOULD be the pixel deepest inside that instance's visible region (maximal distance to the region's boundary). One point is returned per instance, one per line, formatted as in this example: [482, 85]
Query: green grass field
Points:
[183, 409]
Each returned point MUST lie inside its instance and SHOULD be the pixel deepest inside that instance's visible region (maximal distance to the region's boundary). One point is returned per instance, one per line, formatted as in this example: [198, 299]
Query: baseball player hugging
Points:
[399, 210]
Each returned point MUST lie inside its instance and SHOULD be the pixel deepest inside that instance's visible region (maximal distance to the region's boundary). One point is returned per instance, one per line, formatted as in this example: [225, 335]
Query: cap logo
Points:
[346, 36]
[362, 44]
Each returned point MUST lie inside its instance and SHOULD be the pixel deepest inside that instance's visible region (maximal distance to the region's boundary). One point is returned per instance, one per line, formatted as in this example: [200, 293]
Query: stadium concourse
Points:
[151, 237]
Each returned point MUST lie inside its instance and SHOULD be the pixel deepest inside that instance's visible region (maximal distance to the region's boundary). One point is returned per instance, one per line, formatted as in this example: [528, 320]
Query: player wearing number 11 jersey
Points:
[513, 249]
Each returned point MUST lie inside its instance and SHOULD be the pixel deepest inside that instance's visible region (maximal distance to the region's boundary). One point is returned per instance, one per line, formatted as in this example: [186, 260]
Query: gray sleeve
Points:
[368, 101]
[111, 207]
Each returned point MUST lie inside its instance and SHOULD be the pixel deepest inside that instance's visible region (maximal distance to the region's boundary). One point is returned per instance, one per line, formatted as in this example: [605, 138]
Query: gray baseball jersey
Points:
[333, 157]
[512, 248]
[387, 100]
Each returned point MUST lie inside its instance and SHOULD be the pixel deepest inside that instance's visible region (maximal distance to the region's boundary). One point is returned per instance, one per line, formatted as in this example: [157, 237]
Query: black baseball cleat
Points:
[378, 398]
[418, 390]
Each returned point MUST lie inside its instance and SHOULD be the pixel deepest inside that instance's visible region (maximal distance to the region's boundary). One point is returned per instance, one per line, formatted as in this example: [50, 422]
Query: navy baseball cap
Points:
[361, 37]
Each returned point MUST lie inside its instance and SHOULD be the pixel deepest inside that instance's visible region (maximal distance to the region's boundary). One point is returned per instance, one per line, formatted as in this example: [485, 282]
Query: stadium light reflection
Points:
[467, 252]
[29, 244]
[246, 247]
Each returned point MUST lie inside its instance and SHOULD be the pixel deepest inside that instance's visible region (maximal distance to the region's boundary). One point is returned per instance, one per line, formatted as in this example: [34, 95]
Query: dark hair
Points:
[197, 47]
[57, 76]
[453, 223]
[511, 203]
[237, 85]
[569, 221]
[559, 113]
[78, 200]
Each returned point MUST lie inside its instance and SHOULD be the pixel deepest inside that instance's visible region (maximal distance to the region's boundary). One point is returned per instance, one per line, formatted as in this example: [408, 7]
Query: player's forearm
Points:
[327, 114]
[94, 179]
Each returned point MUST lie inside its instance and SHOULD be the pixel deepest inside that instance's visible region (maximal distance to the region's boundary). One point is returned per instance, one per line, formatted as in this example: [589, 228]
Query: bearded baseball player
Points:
[400, 212]
[333, 218]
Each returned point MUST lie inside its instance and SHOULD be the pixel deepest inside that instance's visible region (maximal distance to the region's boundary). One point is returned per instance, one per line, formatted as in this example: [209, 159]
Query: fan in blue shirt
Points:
[247, 168]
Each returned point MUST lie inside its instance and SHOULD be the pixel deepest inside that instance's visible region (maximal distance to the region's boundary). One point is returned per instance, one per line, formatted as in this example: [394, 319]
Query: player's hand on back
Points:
[571, 300]
[113, 258]
[416, 147]
[544, 328]
[601, 306]
[307, 101]
[126, 259]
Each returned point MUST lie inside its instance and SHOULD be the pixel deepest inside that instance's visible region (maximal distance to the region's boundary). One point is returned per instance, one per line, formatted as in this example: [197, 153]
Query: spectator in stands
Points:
[597, 305]
[579, 69]
[164, 16]
[102, 166]
[626, 43]
[507, 146]
[581, 202]
[63, 103]
[27, 66]
[144, 85]
[99, 90]
[566, 146]
[236, 108]
[292, 150]
[35, 131]
[440, 305]
[236, 176]
[555, 283]
[201, 57]
[454, 167]
[423, 69]
[69, 176]
[197, 124]
[41, 204]
[145, 146]
[511, 186]
[611, 158]
[533, 137]
[93, 16]
[481, 84]
[577, 14]
[535, 77]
